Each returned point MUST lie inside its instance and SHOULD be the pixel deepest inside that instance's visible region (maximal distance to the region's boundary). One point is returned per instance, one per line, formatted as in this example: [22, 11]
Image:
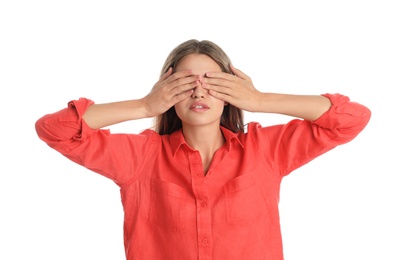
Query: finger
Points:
[182, 78]
[238, 72]
[218, 74]
[177, 90]
[182, 96]
[180, 84]
[220, 96]
[218, 88]
[217, 82]
[166, 74]
[180, 74]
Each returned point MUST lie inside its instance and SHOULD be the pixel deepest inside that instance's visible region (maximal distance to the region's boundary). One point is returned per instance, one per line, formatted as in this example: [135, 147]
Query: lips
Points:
[199, 106]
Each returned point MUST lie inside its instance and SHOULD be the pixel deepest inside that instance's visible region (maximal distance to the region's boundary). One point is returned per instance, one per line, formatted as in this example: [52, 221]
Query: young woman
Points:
[201, 186]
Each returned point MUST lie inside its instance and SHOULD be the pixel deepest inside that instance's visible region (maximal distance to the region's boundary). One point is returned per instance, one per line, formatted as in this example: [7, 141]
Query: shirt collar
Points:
[177, 139]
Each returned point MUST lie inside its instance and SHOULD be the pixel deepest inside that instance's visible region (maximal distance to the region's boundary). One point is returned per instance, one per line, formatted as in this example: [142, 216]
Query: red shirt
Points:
[173, 211]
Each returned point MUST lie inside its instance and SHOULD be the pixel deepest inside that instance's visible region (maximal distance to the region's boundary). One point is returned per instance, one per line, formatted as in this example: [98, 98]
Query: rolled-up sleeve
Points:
[289, 146]
[61, 129]
[116, 156]
[345, 118]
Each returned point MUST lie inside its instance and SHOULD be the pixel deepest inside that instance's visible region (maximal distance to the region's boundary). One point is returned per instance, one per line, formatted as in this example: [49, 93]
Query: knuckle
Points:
[179, 81]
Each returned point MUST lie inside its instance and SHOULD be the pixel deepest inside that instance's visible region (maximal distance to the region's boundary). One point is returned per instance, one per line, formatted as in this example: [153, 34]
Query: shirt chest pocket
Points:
[243, 200]
[167, 205]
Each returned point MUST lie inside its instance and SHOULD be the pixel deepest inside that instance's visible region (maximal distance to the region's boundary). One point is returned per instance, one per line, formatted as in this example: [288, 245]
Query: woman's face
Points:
[201, 108]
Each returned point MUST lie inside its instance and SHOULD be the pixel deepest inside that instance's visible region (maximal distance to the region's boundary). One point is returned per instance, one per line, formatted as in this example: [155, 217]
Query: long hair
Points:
[232, 117]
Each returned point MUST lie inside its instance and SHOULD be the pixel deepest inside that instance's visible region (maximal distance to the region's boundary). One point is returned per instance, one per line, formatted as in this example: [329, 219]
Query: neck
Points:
[204, 139]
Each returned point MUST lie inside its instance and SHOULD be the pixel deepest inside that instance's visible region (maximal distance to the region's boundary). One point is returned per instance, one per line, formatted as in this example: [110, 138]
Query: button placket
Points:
[203, 210]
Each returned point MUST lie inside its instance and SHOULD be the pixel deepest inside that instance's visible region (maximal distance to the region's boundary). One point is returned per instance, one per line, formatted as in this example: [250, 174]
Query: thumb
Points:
[166, 74]
[238, 72]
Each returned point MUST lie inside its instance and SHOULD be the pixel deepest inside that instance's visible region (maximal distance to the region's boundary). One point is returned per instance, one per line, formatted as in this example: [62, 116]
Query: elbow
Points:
[40, 127]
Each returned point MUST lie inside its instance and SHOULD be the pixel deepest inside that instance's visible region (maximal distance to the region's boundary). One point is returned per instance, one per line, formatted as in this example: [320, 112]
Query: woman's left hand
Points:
[237, 89]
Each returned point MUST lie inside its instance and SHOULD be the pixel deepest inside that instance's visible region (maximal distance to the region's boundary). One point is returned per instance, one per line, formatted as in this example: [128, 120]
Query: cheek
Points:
[178, 109]
[219, 103]
[219, 108]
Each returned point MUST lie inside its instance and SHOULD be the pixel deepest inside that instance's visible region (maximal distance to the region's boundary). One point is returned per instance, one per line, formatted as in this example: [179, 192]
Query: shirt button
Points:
[203, 204]
[204, 240]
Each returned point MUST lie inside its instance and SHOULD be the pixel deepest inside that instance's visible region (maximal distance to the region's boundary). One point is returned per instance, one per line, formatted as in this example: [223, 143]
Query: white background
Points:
[340, 206]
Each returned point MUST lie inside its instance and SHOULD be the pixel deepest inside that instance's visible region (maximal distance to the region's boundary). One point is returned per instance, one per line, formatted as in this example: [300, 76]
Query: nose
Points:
[199, 92]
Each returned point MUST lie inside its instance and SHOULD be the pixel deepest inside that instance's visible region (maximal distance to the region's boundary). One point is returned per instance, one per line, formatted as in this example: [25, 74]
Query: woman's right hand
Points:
[169, 90]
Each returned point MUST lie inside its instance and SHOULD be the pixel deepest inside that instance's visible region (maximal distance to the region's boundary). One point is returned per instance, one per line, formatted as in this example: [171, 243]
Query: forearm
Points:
[309, 107]
[102, 115]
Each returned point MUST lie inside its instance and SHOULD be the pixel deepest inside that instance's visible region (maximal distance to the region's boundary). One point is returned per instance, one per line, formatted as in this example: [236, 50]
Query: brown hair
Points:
[232, 117]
